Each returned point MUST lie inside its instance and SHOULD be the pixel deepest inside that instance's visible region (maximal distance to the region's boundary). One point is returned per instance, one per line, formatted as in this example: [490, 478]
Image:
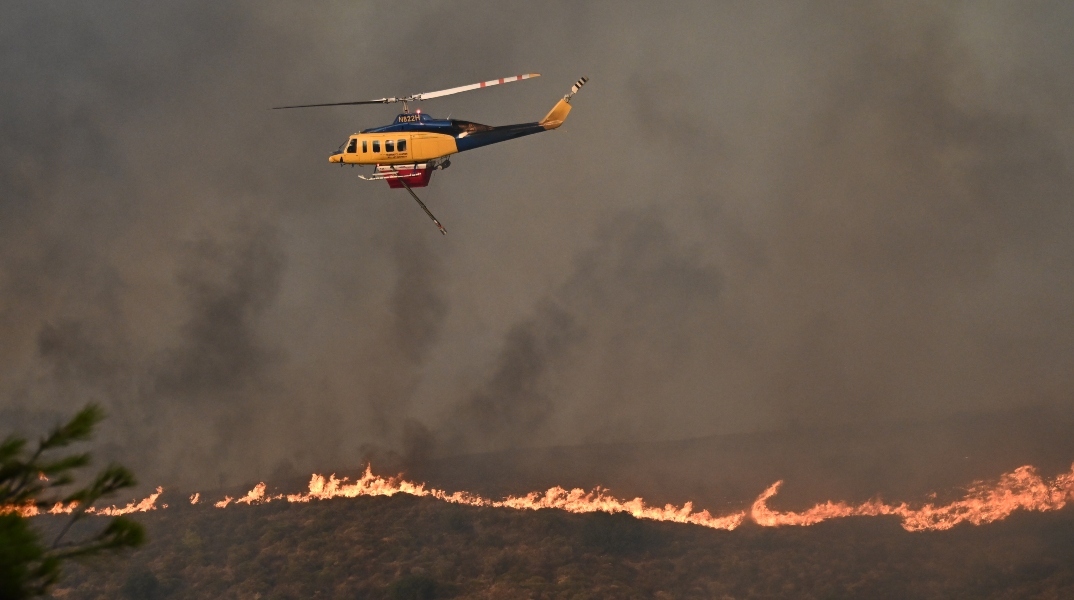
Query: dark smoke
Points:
[759, 216]
[227, 289]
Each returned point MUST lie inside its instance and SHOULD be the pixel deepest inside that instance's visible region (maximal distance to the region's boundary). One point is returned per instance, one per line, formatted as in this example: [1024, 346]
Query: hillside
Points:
[406, 547]
[899, 460]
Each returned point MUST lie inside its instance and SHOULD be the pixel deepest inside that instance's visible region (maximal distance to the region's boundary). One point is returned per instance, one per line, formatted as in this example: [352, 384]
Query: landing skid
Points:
[392, 172]
[423, 207]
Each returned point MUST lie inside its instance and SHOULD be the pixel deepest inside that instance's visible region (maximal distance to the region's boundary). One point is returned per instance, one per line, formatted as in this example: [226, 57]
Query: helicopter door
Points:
[430, 146]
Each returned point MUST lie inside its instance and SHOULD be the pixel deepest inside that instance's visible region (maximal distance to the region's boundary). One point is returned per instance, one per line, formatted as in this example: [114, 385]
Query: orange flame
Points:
[575, 501]
[254, 496]
[1021, 489]
[146, 504]
[26, 510]
[580, 501]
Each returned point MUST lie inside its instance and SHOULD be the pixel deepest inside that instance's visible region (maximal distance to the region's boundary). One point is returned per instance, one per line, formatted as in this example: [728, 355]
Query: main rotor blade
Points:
[424, 95]
[475, 86]
[381, 101]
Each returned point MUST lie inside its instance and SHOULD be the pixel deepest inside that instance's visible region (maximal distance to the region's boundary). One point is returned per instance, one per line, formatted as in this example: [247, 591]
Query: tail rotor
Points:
[574, 88]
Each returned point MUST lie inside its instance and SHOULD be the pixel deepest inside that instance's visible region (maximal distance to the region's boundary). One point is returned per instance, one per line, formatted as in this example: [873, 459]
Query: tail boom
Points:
[484, 135]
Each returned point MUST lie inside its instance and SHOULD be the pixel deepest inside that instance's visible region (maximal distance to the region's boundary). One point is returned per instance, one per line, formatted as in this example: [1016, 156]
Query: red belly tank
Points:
[414, 177]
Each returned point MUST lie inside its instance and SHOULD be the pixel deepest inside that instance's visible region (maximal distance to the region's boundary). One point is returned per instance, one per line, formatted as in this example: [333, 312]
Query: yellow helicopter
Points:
[406, 152]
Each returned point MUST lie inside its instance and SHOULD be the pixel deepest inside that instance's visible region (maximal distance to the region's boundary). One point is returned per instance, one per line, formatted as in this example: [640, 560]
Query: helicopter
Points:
[408, 151]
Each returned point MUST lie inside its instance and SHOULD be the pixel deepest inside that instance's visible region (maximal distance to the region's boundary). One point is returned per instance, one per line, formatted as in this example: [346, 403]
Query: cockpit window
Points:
[353, 146]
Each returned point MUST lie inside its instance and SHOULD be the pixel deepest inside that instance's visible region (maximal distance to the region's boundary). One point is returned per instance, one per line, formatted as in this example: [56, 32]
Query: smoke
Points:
[514, 400]
[757, 216]
[227, 289]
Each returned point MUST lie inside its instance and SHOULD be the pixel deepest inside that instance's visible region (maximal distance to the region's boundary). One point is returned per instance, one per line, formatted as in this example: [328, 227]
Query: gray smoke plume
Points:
[758, 216]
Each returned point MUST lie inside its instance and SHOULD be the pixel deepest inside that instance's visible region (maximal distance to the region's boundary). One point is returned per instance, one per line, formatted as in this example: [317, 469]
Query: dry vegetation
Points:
[405, 547]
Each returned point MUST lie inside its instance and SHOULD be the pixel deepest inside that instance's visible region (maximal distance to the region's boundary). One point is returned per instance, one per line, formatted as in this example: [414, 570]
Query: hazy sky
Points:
[758, 214]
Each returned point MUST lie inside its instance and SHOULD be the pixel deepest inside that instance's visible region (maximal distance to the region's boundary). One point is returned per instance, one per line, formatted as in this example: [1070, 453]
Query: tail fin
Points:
[559, 112]
[557, 115]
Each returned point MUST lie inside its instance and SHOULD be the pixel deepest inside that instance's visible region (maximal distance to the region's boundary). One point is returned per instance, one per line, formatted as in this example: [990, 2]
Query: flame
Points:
[254, 496]
[24, 510]
[576, 500]
[598, 500]
[63, 509]
[764, 516]
[144, 505]
[1021, 489]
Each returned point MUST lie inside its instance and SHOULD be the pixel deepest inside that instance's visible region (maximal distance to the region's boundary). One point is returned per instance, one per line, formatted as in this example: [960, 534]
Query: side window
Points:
[365, 146]
[402, 145]
[376, 145]
[353, 146]
[389, 146]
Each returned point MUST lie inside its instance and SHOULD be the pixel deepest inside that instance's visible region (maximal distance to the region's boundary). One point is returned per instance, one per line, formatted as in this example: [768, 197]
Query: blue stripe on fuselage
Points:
[432, 126]
[495, 135]
[473, 135]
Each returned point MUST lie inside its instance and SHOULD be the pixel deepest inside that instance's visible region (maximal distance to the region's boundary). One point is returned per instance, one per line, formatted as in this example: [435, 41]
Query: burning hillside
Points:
[983, 502]
[409, 546]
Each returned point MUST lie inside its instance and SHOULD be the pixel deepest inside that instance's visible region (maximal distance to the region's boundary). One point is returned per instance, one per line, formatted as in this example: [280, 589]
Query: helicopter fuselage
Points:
[406, 152]
[420, 138]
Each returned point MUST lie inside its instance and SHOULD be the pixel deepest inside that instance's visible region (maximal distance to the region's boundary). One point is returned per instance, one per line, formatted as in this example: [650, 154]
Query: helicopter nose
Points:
[336, 157]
